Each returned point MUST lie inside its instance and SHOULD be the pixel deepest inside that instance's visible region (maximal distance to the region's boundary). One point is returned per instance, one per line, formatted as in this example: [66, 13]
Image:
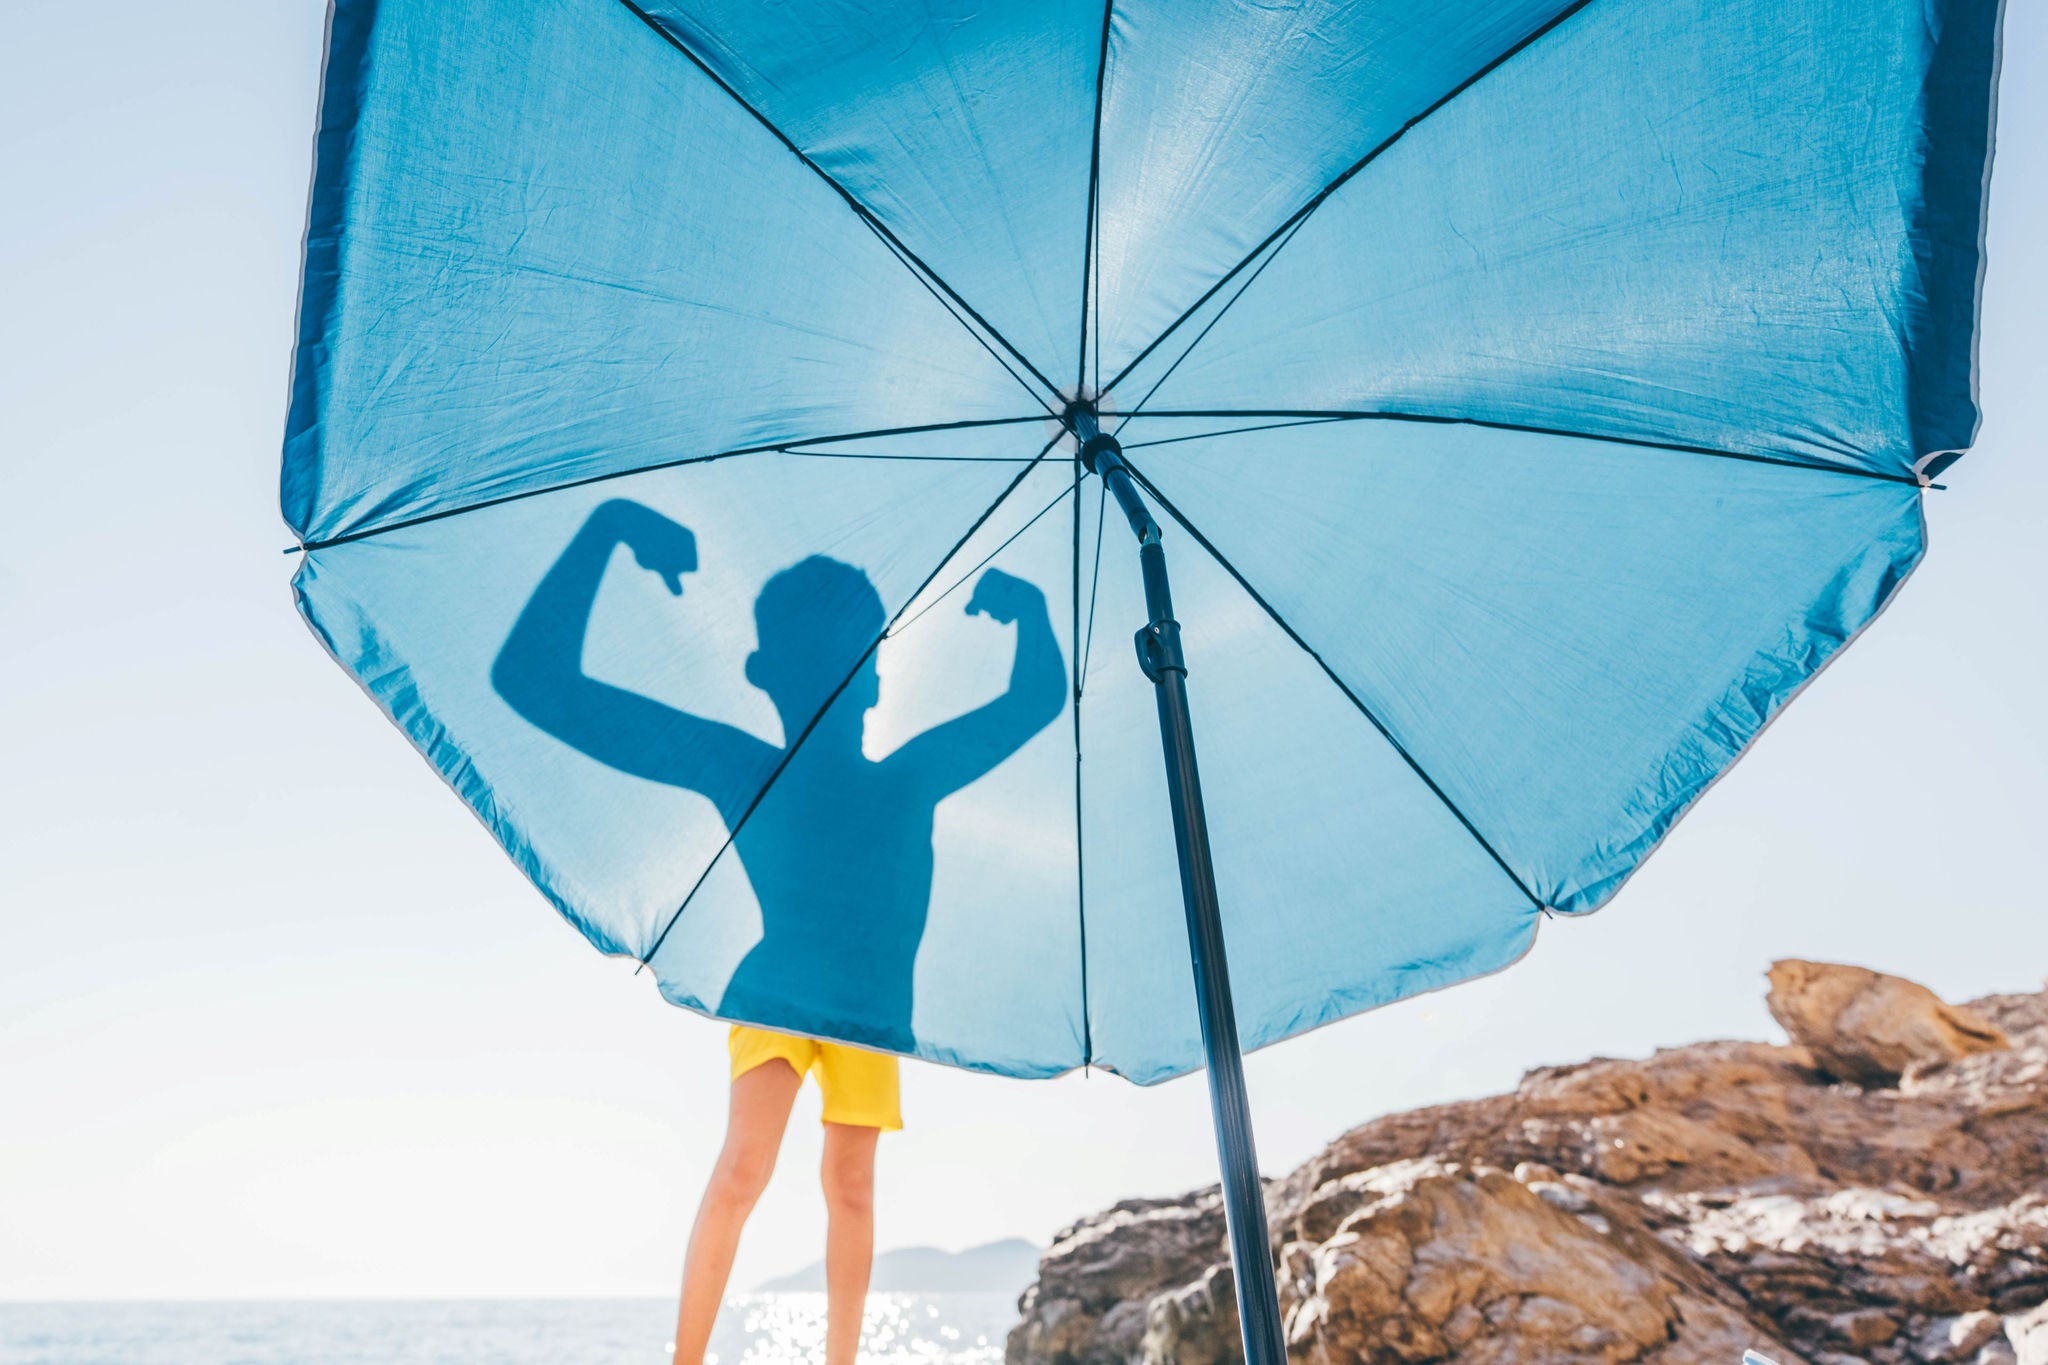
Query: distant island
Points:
[1004, 1267]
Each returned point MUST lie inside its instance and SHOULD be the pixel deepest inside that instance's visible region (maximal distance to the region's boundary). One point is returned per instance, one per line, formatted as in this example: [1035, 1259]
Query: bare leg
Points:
[849, 1180]
[753, 1135]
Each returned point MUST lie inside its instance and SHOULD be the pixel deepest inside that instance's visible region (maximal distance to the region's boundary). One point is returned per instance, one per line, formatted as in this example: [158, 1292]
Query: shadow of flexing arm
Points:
[539, 672]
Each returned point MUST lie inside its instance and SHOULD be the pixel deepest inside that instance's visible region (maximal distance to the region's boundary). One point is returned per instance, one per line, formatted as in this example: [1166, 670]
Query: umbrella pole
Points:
[1159, 654]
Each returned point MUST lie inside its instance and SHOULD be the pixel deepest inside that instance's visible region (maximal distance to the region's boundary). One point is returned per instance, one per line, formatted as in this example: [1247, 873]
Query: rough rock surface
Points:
[1869, 1028]
[1713, 1198]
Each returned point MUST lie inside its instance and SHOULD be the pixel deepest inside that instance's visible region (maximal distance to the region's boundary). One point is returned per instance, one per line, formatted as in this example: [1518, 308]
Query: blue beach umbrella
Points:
[714, 430]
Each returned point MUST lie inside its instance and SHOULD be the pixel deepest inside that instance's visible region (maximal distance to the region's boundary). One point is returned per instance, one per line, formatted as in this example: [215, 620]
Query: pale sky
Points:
[277, 1018]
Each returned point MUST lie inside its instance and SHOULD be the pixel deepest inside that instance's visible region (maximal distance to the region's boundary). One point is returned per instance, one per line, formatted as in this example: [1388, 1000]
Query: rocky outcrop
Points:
[1866, 1027]
[1094, 1297]
[1441, 1262]
[1711, 1199]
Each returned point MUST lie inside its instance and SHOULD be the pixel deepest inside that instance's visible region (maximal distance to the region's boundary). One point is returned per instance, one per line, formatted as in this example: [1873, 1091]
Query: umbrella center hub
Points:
[1082, 418]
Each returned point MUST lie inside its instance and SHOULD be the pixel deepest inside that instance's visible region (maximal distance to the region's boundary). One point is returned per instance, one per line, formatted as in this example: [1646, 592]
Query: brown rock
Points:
[1090, 1304]
[1196, 1325]
[1446, 1262]
[1869, 1028]
[1665, 1211]
[1957, 1338]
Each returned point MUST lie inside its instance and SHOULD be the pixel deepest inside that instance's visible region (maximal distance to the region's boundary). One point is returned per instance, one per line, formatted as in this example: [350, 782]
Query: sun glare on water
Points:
[898, 1329]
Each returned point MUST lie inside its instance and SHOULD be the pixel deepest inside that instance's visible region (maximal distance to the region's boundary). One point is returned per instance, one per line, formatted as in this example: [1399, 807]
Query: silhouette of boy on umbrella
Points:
[839, 852]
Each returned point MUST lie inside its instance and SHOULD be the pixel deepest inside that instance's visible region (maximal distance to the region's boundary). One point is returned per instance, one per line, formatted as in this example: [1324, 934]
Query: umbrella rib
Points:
[1210, 326]
[1080, 826]
[1094, 189]
[1229, 431]
[776, 448]
[1307, 416]
[910, 259]
[959, 582]
[1317, 200]
[897, 251]
[789, 754]
[1094, 583]
[1342, 686]
[1080, 653]
[920, 459]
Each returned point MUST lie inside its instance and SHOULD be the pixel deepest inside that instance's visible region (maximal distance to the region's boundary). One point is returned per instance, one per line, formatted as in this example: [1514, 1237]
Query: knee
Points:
[849, 1187]
[742, 1173]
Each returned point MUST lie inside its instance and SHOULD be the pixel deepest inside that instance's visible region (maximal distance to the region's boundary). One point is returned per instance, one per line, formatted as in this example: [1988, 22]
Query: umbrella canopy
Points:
[1538, 395]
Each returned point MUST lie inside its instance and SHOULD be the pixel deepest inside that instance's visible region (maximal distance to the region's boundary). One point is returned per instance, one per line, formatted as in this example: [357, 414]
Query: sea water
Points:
[755, 1329]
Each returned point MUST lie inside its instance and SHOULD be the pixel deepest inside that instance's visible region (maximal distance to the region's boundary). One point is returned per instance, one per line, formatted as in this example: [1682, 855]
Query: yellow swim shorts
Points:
[860, 1087]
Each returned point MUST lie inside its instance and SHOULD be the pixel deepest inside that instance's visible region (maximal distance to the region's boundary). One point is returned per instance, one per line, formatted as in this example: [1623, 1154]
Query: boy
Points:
[837, 847]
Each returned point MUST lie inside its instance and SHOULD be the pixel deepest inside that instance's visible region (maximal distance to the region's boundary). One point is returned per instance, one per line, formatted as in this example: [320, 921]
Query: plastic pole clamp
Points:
[1159, 650]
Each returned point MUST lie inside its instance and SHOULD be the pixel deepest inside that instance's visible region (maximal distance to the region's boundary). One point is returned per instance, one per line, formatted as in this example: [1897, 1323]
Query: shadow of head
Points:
[812, 621]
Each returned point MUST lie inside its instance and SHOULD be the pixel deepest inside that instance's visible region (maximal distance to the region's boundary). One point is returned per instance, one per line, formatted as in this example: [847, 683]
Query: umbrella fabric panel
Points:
[1344, 883]
[885, 771]
[607, 731]
[966, 127]
[1572, 638]
[1748, 226]
[909, 880]
[544, 247]
[1222, 120]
